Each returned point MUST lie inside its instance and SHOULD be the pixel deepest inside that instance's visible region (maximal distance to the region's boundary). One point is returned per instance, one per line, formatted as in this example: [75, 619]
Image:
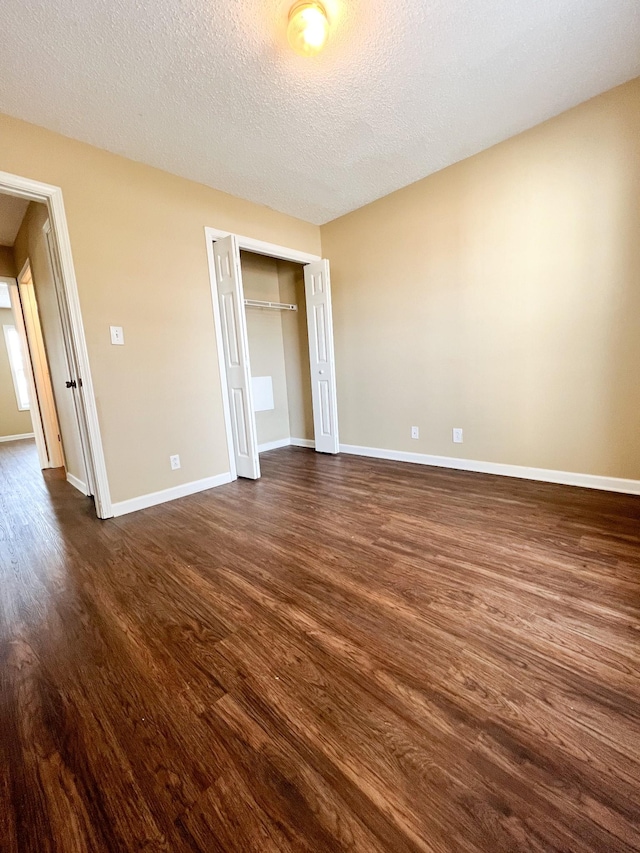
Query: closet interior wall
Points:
[278, 347]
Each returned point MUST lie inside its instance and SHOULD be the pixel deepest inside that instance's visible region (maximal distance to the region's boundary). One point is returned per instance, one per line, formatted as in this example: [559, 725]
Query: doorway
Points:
[42, 406]
[43, 352]
[249, 392]
[48, 327]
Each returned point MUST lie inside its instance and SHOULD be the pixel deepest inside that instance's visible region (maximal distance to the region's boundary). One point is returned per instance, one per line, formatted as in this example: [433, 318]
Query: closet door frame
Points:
[258, 247]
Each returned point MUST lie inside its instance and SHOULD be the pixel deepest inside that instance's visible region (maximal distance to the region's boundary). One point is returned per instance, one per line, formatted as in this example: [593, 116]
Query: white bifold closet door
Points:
[317, 287]
[235, 345]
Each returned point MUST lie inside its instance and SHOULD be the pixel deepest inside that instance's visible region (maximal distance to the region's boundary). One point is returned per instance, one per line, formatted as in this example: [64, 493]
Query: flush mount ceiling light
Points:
[308, 27]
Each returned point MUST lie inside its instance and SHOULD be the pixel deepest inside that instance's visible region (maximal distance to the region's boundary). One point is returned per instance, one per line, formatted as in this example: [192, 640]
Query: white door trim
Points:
[260, 247]
[52, 197]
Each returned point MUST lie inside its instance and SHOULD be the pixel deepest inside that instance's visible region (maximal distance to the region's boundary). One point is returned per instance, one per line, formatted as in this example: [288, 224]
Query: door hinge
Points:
[71, 383]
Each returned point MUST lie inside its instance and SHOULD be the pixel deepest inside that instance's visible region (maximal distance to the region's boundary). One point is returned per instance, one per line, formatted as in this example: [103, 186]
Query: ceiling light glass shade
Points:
[308, 28]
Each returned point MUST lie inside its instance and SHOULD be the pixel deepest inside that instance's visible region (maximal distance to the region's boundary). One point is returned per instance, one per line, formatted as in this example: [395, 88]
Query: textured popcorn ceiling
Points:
[211, 91]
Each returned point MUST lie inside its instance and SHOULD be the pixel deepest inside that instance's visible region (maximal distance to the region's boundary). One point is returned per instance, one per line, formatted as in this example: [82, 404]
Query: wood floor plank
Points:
[347, 655]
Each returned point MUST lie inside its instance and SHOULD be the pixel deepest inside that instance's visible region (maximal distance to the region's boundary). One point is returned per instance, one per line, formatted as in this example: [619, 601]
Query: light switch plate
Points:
[117, 335]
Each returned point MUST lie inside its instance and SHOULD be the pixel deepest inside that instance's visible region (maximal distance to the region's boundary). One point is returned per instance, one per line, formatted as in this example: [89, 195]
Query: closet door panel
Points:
[317, 286]
[235, 346]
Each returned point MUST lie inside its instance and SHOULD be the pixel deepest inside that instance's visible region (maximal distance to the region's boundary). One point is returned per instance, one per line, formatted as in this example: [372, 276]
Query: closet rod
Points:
[280, 306]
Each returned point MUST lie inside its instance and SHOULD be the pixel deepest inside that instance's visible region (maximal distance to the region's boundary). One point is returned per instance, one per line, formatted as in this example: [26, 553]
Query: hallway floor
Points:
[347, 655]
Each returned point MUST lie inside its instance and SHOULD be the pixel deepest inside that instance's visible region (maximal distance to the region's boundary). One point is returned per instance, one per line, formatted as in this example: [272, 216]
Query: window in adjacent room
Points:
[18, 370]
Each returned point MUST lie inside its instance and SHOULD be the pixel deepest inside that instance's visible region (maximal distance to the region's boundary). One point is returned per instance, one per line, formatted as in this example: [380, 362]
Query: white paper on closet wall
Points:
[262, 388]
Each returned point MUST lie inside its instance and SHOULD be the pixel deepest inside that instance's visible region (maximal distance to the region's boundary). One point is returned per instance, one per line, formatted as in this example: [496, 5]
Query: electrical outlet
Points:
[175, 462]
[457, 435]
[415, 432]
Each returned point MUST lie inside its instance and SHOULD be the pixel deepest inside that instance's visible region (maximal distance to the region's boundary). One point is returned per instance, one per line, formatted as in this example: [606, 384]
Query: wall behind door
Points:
[296, 350]
[12, 420]
[7, 266]
[31, 243]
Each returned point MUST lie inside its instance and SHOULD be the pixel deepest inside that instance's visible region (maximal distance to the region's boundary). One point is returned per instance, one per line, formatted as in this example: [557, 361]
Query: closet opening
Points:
[278, 351]
[273, 319]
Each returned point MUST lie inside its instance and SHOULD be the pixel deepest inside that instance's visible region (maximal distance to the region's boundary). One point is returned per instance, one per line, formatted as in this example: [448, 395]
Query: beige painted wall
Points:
[296, 350]
[502, 295]
[31, 245]
[266, 347]
[12, 420]
[6, 261]
[139, 251]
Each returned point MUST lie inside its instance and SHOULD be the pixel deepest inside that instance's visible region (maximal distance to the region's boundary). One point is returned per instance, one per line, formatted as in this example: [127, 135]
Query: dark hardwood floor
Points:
[348, 655]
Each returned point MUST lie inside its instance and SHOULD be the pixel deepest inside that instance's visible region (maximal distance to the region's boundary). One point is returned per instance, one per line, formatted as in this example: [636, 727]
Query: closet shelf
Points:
[279, 306]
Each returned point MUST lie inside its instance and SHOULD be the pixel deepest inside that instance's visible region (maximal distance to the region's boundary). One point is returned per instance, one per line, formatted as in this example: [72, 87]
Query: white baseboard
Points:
[154, 498]
[286, 442]
[544, 475]
[274, 445]
[77, 484]
[302, 442]
[16, 437]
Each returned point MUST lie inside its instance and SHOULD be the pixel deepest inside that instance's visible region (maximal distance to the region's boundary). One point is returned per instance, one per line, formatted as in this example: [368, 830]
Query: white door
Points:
[235, 345]
[67, 381]
[42, 378]
[323, 370]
